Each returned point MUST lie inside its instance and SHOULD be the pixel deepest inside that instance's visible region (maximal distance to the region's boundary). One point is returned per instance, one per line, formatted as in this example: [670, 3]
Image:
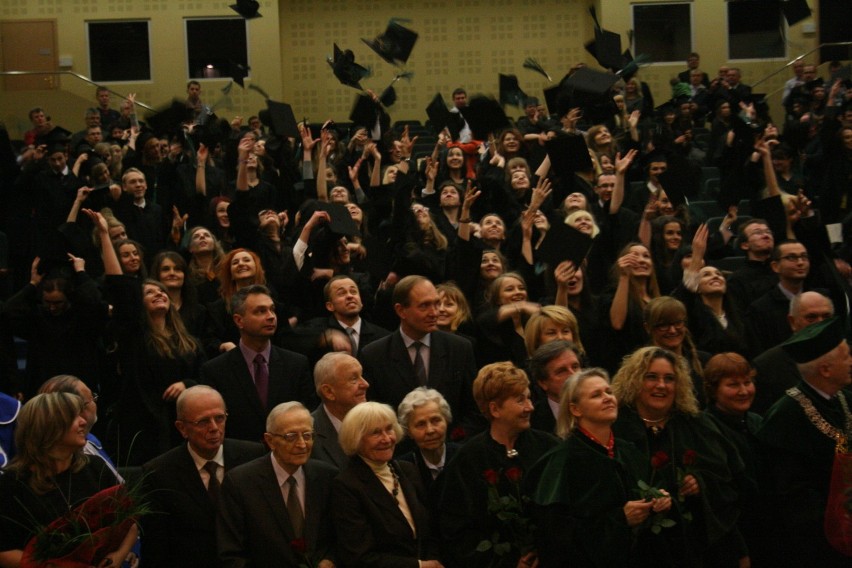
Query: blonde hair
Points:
[453, 292]
[572, 217]
[629, 380]
[566, 422]
[559, 315]
[360, 420]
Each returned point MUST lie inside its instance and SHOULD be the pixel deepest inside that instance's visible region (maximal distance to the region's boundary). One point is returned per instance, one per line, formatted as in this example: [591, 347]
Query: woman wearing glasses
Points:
[379, 512]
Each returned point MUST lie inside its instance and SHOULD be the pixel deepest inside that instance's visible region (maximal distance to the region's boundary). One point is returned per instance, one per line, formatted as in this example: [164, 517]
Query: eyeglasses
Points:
[93, 401]
[677, 325]
[795, 257]
[218, 419]
[291, 437]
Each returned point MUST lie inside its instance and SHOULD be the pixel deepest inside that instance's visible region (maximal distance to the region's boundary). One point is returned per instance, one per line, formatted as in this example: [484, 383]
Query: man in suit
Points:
[273, 501]
[417, 354]
[550, 366]
[341, 387]
[182, 529]
[343, 301]
[257, 375]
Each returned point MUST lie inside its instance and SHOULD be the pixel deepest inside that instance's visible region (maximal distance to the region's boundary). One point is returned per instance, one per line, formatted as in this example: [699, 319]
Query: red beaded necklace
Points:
[610, 445]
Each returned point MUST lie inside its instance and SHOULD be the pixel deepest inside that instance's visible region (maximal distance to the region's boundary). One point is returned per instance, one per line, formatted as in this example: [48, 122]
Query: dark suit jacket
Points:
[289, 379]
[776, 372]
[182, 531]
[766, 320]
[326, 446]
[371, 530]
[369, 331]
[253, 526]
[452, 368]
[543, 418]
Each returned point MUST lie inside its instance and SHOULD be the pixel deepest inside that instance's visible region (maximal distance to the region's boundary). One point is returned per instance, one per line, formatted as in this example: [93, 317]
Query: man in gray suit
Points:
[341, 387]
[275, 510]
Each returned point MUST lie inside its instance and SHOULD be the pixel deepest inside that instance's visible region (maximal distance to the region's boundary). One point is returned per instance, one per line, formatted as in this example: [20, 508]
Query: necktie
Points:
[213, 484]
[419, 366]
[351, 333]
[294, 508]
[261, 379]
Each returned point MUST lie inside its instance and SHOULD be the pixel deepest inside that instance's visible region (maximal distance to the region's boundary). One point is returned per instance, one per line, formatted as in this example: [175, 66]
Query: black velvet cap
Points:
[485, 115]
[342, 222]
[248, 9]
[568, 154]
[795, 11]
[510, 91]
[679, 180]
[441, 117]
[282, 118]
[815, 340]
[364, 112]
[563, 242]
[606, 49]
[395, 44]
[238, 72]
[169, 118]
[56, 139]
[346, 70]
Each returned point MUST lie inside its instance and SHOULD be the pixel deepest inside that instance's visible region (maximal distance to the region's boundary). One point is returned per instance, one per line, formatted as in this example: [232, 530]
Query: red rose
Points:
[514, 474]
[490, 476]
[660, 460]
[457, 434]
[299, 546]
[689, 457]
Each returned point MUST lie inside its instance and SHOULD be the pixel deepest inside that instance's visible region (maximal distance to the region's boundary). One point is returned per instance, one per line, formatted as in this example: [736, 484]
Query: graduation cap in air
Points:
[281, 119]
[388, 96]
[606, 47]
[56, 139]
[169, 119]
[558, 98]
[395, 44]
[441, 117]
[563, 242]
[345, 69]
[590, 90]
[485, 115]
[534, 65]
[365, 112]
[680, 179]
[568, 154]
[510, 91]
[238, 72]
[211, 133]
[248, 9]
[795, 11]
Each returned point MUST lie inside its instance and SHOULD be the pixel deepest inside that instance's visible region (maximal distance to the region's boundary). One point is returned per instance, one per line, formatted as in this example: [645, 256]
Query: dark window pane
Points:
[754, 30]
[119, 51]
[663, 31]
[214, 43]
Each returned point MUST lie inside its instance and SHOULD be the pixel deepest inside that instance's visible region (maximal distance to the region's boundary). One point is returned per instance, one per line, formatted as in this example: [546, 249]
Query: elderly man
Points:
[550, 366]
[279, 499]
[801, 434]
[341, 387]
[184, 483]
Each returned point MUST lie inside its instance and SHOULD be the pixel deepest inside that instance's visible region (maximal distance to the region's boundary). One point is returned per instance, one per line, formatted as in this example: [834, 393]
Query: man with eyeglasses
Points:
[279, 499]
[184, 483]
[766, 318]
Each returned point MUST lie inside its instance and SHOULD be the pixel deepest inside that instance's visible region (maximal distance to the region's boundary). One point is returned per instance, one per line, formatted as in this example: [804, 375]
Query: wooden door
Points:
[29, 45]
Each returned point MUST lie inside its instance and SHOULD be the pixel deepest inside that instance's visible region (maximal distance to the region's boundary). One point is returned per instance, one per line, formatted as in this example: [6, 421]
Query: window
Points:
[754, 30]
[212, 43]
[663, 31]
[119, 51]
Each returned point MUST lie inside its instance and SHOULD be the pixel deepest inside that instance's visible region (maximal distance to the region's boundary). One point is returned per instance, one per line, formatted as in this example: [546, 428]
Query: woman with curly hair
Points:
[686, 455]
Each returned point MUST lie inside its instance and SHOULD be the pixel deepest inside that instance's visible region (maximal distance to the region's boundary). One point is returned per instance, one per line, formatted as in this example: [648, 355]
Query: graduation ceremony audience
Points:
[698, 254]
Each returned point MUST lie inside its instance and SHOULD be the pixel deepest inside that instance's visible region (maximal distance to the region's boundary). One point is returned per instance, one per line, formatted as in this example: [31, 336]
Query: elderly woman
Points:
[379, 510]
[50, 476]
[687, 456]
[583, 488]
[496, 459]
[424, 415]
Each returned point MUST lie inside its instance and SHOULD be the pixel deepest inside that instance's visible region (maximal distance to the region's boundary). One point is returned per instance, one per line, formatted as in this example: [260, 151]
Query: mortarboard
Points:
[248, 9]
[395, 44]
[485, 115]
[680, 179]
[510, 91]
[342, 223]
[346, 70]
[364, 112]
[795, 11]
[238, 72]
[568, 154]
[441, 117]
[282, 119]
[170, 118]
[563, 242]
[56, 139]
[815, 340]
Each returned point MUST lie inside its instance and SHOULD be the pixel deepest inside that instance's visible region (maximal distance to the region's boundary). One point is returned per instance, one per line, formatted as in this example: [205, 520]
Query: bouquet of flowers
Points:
[647, 491]
[516, 535]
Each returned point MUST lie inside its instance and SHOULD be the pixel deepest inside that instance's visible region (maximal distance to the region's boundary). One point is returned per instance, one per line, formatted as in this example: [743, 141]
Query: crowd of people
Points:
[521, 346]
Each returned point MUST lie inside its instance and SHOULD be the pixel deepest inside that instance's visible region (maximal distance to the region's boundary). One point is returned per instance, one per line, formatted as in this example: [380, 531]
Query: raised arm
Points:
[201, 156]
[82, 194]
[621, 167]
[471, 194]
[111, 265]
[243, 150]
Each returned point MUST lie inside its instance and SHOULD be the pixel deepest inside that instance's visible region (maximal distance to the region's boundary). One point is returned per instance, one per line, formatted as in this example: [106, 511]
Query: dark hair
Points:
[459, 91]
[402, 290]
[545, 354]
[326, 290]
[238, 300]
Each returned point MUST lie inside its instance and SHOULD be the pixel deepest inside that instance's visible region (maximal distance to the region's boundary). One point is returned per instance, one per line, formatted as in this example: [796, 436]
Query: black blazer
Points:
[543, 418]
[326, 445]
[371, 530]
[452, 368]
[253, 526]
[289, 379]
[182, 530]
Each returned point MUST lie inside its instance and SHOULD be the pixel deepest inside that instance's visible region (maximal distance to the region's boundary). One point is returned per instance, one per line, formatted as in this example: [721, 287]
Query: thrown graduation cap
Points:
[248, 9]
[589, 84]
[170, 118]
[365, 112]
[485, 115]
[212, 132]
[282, 118]
[238, 72]
[568, 154]
[795, 11]
[606, 47]
[534, 65]
[342, 222]
[346, 70]
[563, 242]
[388, 96]
[680, 179]
[56, 137]
[510, 91]
[442, 118]
[395, 44]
